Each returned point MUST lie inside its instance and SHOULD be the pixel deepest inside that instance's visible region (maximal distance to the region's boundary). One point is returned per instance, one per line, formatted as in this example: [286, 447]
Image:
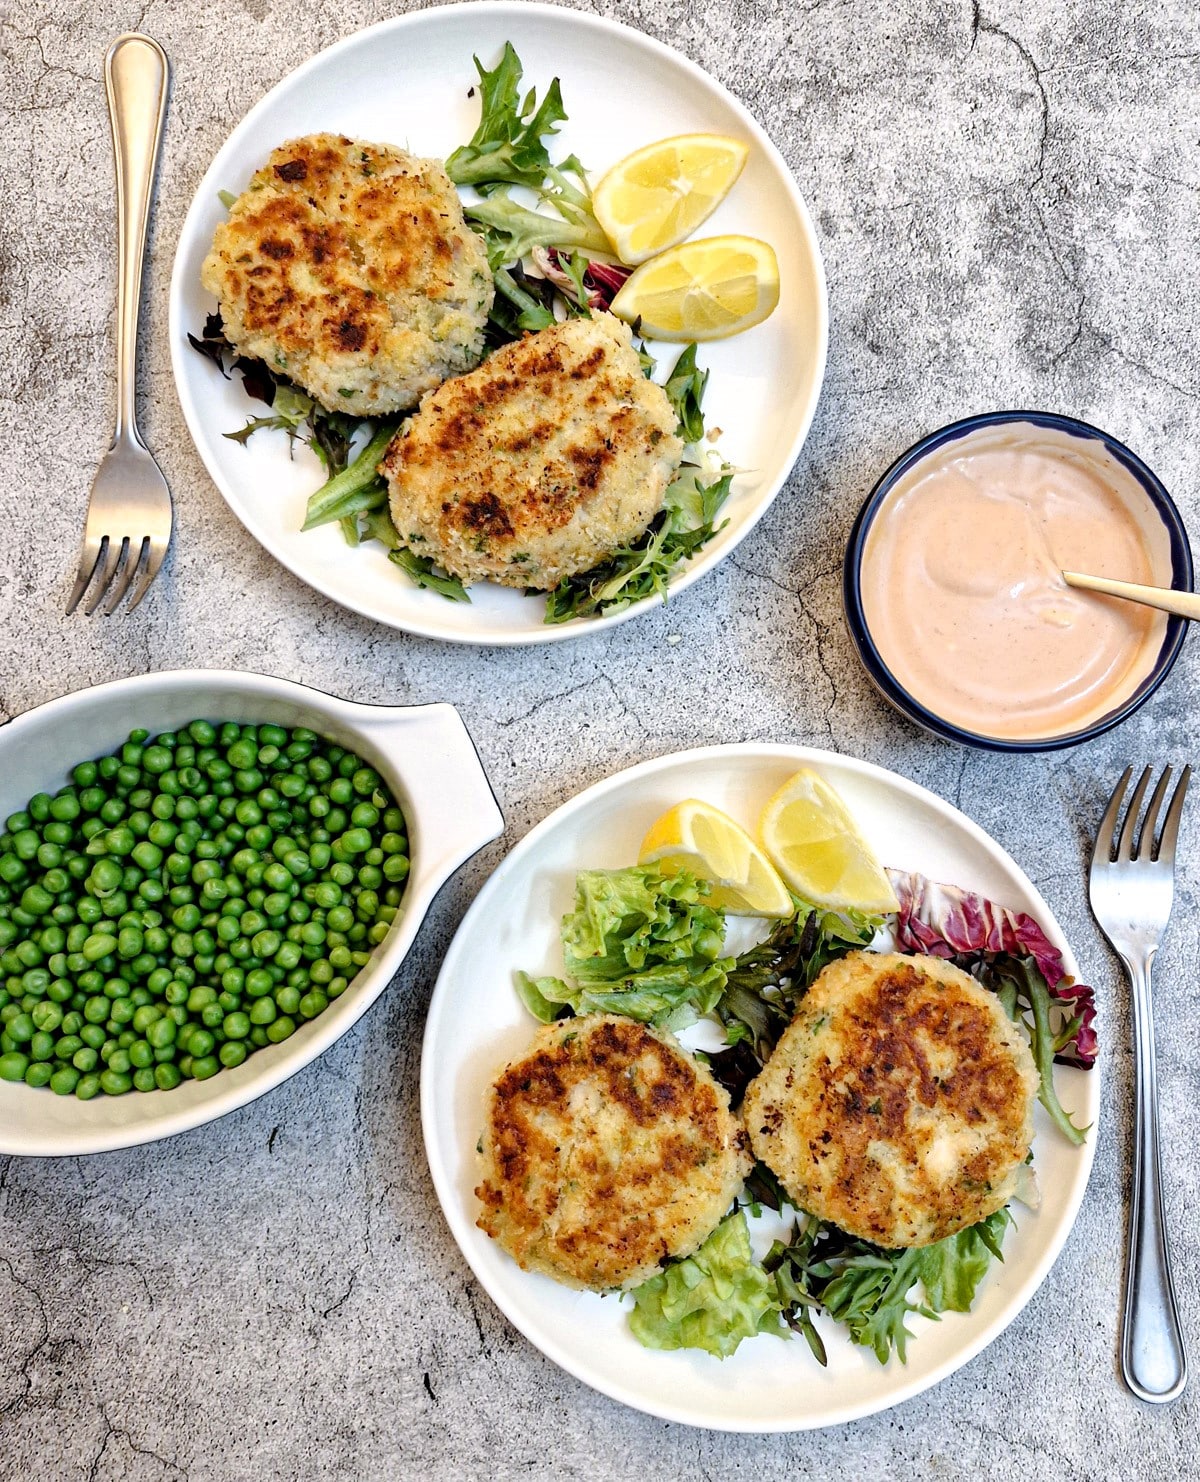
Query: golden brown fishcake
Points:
[898, 1104]
[540, 464]
[349, 267]
[607, 1149]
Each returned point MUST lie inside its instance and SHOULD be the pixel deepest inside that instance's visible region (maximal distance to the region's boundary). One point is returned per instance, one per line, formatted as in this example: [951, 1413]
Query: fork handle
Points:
[1152, 1356]
[135, 79]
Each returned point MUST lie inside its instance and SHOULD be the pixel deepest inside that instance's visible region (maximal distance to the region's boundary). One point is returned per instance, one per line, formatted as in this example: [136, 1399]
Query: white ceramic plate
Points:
[406, 82]
[476, 1023]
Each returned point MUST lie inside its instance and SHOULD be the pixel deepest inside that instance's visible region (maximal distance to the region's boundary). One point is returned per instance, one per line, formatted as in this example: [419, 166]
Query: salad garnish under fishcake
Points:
[888, 1093]
[350, 268]
[552, 455]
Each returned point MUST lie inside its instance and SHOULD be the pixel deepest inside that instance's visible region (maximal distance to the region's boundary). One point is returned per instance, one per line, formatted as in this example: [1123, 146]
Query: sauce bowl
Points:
[423, 753]
[1094, 445]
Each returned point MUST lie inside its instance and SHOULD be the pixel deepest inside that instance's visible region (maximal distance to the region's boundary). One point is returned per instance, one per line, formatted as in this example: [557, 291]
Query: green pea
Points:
[65, 807]
[13, 1066]
[258, 982]
[157, 759]
[39, 1074]
[47, 1015]
[148, 855]
[64, 1080]
[20, 1028]
[115, 1083]
[161, 1032]
[236, 1025]
[280, 1029]
[288, 999]
[312, 1003]
[262, 1011]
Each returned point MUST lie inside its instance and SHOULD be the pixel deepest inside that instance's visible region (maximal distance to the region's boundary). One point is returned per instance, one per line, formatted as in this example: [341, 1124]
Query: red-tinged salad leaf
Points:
[587, 282]
[946, 921]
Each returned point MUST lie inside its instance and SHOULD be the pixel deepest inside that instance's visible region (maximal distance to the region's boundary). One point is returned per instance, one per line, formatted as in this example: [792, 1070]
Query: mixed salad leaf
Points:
[646, 944]
[870, 1291]
[714, 1299]
[549, 260]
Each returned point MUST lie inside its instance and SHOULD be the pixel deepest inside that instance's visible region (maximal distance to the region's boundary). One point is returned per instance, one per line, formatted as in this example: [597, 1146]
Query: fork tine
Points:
[154, 559]
[1166, 845]
[1106, 834]
[1147, 848]
[127, 566]
[109, 560]
[1129, 828]
[90, 554]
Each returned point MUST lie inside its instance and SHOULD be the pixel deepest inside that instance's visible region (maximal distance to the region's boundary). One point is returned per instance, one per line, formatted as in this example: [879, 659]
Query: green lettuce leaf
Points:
[638, 943]
[711, 1300]
[626, 920]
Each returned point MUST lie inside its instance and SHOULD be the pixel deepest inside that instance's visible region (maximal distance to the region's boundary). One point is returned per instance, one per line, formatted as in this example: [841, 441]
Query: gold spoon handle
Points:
[1181, 604]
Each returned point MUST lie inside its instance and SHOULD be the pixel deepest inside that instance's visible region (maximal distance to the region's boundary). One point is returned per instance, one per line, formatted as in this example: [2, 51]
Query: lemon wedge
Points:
[809, 834]
[659, 195]
[704, 290]
[697, 837]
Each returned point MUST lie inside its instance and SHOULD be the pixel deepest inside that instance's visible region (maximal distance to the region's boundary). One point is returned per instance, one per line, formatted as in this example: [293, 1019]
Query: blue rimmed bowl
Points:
[1182, 576]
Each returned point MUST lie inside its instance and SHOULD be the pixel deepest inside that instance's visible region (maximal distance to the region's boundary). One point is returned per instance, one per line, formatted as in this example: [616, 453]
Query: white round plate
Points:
[406, 82]
[476, 1023]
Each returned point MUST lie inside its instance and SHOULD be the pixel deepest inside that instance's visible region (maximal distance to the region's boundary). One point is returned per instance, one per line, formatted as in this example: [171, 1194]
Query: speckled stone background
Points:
[1006, 197]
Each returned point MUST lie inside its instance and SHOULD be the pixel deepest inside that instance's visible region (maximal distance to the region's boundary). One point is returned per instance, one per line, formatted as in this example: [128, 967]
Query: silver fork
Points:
[1132, 884]
[129, 512]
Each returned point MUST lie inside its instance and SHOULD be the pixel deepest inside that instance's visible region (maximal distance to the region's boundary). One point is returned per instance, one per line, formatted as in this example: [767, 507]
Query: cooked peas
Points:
[185, 901]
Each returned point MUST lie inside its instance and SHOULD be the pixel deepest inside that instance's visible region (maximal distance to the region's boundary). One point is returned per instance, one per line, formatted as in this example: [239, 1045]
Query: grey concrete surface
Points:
[1006, 197]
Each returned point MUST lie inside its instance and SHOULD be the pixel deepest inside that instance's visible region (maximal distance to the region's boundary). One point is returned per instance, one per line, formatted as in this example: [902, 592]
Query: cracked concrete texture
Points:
[1006, 200]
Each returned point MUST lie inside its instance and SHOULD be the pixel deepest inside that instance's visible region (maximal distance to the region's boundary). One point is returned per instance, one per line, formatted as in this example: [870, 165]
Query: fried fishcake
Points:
[606, 1150]
[540, 464]
[349, 268]
[898, 1104]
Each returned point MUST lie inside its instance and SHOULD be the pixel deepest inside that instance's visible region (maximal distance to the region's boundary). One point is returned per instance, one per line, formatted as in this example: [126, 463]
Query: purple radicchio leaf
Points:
[947, 921]
[602, 280]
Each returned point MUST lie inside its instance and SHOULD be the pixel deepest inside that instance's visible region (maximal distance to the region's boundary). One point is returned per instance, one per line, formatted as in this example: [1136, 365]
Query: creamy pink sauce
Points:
[962, 589]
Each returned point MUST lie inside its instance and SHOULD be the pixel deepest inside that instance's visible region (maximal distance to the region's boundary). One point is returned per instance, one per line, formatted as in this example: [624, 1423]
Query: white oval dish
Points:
[476, 1023]
[423, 753]
[406, 81]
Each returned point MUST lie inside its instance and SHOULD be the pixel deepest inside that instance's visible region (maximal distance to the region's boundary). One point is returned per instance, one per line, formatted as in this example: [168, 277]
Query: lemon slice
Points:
[659, 195]
[697, 837]
[810, 836]
[705, 290]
